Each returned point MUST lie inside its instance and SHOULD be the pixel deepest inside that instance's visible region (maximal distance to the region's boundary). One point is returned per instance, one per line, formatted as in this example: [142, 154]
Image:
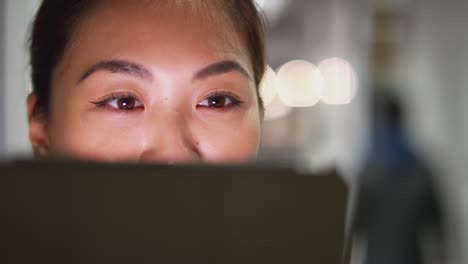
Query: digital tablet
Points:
[55, 212]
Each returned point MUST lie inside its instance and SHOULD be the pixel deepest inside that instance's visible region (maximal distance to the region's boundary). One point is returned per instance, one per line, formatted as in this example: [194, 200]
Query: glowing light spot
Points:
[276, 109]
[268, 86]
[340, 81]
[260, 3]
[300, 84]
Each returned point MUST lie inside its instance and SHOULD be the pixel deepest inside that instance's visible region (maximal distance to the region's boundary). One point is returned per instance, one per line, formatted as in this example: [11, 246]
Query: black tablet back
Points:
[91, 213]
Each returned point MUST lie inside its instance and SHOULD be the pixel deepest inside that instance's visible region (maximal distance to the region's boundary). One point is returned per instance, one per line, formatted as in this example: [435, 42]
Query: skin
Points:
[167, 85]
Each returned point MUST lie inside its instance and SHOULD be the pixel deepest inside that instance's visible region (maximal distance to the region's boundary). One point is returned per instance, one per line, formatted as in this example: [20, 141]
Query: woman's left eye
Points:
[220, 101]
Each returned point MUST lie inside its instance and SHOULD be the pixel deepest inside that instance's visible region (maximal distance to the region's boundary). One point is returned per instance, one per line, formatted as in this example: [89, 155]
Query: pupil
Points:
[218, 101]
[126, 103]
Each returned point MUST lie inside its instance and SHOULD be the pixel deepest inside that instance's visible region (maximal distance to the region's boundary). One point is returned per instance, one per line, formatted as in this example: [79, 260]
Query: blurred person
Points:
[146, 80]
[397, 203]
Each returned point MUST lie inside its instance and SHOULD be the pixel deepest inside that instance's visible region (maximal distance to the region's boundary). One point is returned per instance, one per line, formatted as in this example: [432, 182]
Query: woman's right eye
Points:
[121, 103]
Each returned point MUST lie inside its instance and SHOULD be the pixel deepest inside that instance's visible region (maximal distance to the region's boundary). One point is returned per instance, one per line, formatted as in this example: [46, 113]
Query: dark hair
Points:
[56, 21]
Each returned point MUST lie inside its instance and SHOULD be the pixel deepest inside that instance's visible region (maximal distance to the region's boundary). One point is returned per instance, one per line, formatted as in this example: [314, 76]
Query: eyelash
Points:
[235, 101]
[104, 102]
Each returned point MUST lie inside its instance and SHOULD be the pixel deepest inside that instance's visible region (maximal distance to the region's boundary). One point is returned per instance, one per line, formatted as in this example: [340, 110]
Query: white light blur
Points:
[340, 81]
[300, 84]
[273, 8]
[268, 86]
[260, 3]
[276, 109]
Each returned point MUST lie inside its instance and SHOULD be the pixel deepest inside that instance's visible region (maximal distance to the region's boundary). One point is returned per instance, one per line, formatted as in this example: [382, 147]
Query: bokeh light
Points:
[300, 84]
[276, 109]
[340, 81]
[268, 86]
[260, 3]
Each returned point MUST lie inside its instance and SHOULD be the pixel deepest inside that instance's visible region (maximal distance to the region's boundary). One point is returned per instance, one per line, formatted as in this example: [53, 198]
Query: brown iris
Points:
[217, 101]
[126, 103]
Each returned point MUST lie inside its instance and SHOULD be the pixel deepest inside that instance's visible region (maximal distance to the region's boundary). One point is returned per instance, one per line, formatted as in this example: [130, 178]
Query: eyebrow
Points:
[120, 67]
[221, 68]
[139, 71]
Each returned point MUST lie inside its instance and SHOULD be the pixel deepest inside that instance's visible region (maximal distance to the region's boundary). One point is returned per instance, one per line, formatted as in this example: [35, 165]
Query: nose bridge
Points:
[169, 139]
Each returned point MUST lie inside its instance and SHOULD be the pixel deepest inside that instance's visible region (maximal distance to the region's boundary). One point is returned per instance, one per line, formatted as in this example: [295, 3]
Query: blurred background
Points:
[387, 93]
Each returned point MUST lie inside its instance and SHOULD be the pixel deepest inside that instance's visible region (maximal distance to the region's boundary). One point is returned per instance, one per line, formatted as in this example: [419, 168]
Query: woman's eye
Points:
[219, 101]
[125, 103]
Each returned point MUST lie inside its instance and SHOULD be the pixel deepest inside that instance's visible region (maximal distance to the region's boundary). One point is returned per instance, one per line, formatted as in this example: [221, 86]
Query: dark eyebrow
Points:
[120, 67]
[220, 68]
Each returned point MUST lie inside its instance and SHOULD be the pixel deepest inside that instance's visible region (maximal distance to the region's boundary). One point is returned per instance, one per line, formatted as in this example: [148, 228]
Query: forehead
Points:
[181, 31]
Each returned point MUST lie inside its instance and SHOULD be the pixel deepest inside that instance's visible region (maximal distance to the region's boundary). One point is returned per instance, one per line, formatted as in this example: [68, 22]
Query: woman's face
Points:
[140, 83]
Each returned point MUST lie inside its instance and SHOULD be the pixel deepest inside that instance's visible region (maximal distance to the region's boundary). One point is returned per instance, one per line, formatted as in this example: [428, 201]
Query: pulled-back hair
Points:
[56, 21]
